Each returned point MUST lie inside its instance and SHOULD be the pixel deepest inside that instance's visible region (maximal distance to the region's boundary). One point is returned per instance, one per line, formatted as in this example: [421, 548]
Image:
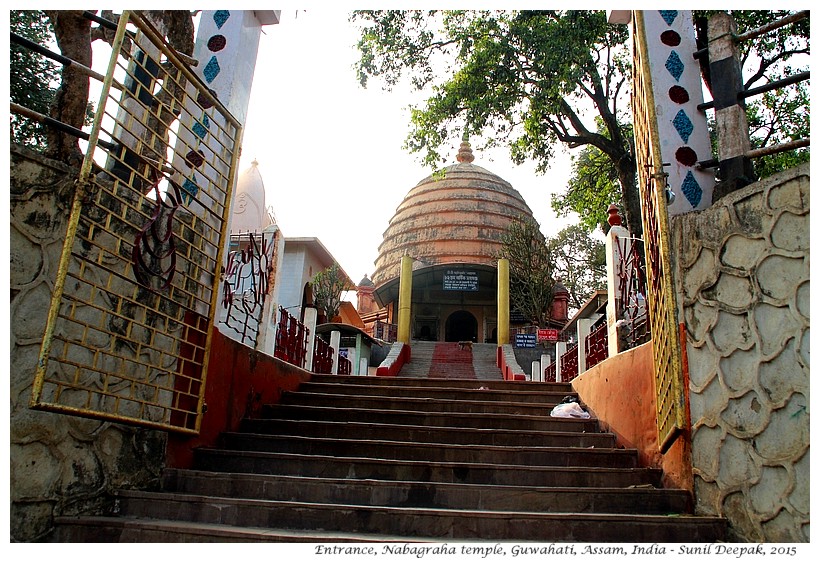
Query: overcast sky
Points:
[330, 152]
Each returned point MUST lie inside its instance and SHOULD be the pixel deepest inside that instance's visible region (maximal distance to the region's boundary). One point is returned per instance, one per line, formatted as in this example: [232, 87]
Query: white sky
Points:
[330, 152]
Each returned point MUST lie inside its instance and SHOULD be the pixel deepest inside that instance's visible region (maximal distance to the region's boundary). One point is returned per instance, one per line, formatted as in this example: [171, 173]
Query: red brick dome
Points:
[455, 217]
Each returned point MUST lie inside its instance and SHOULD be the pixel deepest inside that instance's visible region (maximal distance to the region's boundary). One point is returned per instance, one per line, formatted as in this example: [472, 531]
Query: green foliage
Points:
[527, 80]
[531, 270]
[328, 286]
[579, 262]
[33, 79]
[592, 187]
[783, 115]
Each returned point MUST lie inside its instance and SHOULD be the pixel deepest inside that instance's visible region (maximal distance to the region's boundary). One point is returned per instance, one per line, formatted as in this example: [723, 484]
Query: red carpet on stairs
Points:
[450, 361]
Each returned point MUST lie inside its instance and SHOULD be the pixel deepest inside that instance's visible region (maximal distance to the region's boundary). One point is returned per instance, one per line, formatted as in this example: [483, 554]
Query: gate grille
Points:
[671, 412]
[130, 319]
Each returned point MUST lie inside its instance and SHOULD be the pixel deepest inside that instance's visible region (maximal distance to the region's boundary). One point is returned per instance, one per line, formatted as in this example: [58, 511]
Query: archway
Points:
[460, 326]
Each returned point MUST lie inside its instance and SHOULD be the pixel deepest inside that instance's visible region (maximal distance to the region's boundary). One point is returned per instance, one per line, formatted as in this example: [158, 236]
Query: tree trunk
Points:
[627, 176]
[73, 33]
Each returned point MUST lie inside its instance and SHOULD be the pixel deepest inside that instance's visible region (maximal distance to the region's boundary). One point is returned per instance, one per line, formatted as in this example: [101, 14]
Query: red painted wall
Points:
[620, 392]
[240, 380]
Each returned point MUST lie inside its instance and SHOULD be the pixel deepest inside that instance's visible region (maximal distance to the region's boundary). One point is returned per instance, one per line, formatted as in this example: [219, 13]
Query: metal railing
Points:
[292, 339]
[246, 284]
[137, 286]
[569, 364]
[596, 345]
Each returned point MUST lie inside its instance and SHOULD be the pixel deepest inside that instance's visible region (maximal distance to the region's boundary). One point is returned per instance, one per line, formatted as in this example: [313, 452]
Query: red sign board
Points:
[550, 334]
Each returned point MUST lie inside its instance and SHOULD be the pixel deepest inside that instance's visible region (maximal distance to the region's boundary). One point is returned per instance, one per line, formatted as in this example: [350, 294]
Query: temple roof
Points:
[457, 215]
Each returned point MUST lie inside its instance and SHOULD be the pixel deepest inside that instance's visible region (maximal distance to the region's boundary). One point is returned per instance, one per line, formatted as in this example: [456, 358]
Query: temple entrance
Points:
[461, 325]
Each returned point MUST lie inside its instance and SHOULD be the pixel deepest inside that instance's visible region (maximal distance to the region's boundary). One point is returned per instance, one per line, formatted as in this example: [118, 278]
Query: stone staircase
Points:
[361, 459]
[447, 360]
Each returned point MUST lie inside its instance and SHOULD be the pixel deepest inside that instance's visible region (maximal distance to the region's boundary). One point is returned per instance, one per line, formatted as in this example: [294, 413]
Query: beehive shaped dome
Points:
[459, 216]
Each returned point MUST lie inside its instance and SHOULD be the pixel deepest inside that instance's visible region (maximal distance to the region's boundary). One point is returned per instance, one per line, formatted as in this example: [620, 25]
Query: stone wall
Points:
[60, 465]
[742, 275]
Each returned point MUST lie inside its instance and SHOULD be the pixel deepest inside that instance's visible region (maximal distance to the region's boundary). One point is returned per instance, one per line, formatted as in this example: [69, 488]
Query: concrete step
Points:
[122, 529]
[433, 452]
[369, 492]
[478, 392]
[427, 522]
[502, 421]
[437, 434]
[500, 385]
[475, 405]
[350, 467]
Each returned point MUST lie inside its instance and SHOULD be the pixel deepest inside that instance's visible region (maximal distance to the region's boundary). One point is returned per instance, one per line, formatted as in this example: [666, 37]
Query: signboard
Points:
[548, 334]
[460, 280]
[525, 340]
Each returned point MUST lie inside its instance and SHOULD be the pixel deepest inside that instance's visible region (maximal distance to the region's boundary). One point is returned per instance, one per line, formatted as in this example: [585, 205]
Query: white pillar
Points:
[560, 350]
[536, 368]
[618, 247]
[676, 90]
[335, 338]
[310, 324]
[545, 363]
[226, 47]
[583, 331]
[362, 366]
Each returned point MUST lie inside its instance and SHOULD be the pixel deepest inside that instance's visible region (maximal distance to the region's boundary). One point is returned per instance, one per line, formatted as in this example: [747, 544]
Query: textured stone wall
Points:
[742, 271]
[60, 465]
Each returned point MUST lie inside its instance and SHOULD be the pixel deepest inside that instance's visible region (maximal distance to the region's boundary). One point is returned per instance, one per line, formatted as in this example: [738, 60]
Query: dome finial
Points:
[465, 153]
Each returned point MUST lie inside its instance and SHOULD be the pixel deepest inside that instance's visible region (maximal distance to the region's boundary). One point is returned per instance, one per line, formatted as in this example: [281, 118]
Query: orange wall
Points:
[240, 380]
[620, 392]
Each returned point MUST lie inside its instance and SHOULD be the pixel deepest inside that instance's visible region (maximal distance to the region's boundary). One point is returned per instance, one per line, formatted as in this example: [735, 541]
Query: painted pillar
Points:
[405, 294]
[226, 47]
[534, 369]
[560, 350]
[676, 89]
[545, 363]
[335, 339]
[618, 247]
[503, 302]
[310, 316]
[583, 331]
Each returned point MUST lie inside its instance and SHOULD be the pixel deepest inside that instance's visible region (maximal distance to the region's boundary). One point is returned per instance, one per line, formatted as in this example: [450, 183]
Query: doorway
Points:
[461, 326]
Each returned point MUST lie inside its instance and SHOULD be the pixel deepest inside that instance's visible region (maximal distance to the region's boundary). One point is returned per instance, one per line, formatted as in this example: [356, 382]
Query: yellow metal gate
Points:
[670, 401]
[131, 316]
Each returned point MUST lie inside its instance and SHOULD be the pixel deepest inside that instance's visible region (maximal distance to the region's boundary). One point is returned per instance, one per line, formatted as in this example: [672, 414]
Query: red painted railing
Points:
[569, 364]
[549, 373]
[345, 366]
[291, 339]
[596, 345]
[322, 357]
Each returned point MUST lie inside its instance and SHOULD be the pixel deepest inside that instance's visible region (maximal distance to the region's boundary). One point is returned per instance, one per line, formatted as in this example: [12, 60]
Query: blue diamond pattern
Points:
[201, 127]
[220, 17]
[683, 125]
[211, 70]
[691, 189]
[668, 16]
[191, 190]
[674, 65]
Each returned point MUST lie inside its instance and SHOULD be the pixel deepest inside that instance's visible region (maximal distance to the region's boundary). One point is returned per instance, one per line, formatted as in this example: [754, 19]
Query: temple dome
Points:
[249, 213]
[459, 216]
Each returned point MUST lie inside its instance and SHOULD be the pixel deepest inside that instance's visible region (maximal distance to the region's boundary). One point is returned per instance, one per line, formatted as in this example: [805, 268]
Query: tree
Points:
[63, 94]
[579, 261]
[531, 270]
[32, 79]
[532, 79]
[591, 188]
[328, 286]
[782, 115]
